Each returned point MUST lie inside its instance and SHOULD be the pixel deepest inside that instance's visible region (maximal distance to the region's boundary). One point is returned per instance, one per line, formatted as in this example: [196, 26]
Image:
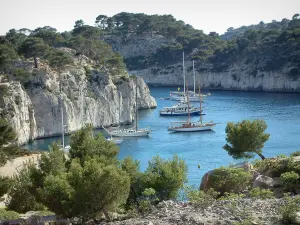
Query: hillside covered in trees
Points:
[44, 73]
[156, 42]
[277, 42]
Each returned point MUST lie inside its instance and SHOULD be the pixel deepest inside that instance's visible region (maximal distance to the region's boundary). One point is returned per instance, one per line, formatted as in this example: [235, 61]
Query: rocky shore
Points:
[222, 212]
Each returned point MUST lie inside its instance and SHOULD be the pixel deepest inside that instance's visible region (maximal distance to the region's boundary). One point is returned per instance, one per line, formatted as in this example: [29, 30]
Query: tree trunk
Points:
[261, 156]
[35, 62]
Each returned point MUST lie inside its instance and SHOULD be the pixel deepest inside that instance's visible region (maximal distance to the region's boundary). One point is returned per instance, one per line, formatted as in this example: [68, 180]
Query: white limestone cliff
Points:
[237, 77]
[100, 99]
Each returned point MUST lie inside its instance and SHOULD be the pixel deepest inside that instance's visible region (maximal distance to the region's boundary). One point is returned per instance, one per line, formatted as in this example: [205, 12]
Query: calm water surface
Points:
[281, 111]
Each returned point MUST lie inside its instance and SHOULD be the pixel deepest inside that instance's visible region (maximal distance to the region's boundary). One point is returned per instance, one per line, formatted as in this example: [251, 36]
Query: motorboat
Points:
[180, 109]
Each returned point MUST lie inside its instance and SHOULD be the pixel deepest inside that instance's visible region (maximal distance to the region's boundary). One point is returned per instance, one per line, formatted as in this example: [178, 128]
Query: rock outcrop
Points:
[18, 109]
[88, 97]
[238, 77]
[222, 212]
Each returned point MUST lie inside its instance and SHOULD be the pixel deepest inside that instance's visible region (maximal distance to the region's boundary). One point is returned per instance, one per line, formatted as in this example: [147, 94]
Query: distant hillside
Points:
[153, 44]
[258, 57]
[238, 32]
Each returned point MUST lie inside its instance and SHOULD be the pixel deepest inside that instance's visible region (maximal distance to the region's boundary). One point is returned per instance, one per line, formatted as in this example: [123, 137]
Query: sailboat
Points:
[180, 109]
[132, 132]
[181, 96]
[190, 126]
[63, 147]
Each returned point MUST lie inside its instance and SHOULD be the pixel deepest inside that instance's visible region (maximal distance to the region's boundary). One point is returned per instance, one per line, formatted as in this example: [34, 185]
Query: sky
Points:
[206, 15]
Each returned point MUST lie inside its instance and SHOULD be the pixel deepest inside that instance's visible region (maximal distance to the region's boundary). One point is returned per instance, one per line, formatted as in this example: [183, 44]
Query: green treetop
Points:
[246, 138]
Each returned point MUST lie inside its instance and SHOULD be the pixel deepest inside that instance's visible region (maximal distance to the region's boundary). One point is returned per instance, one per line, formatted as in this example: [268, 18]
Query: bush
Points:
[22, 198]
[201, 199]
[290, 180]
[21, 75]
[261, 193]
[275, 167]
[281, 156]
[8, 215]
[229, 179]
[231, 196]
[166, 177]
[296, 153]
[5, 184]
[289, 209]
[149, 198]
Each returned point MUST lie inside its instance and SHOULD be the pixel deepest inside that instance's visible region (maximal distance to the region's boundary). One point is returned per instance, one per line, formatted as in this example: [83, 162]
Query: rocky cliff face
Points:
[18, 109]
[93, 97]
[238, 76]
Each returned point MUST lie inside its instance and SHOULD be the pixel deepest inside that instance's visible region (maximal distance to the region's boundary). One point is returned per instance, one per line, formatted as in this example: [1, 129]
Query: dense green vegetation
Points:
[45, 44]
[246, 138]
[92, 181]
[267, 47]
[275, 43]
[8, 147]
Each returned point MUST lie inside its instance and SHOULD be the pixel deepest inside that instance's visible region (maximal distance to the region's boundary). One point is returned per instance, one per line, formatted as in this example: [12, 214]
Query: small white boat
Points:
[117, 141]
[191, 126]
[181, 96]
[131, 132]
[181, 109]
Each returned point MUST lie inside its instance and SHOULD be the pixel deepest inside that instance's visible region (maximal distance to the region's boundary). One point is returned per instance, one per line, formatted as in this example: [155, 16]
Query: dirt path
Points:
[16, 164]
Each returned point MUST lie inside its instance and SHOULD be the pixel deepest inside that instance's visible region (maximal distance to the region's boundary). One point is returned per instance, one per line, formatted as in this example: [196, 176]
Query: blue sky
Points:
[208, 15]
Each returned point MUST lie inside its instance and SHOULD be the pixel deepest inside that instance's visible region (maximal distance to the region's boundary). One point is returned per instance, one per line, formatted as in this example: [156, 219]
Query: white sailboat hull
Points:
[197, 127]
[114, 140]
[130, 133]
[183, 113]
[191, 98]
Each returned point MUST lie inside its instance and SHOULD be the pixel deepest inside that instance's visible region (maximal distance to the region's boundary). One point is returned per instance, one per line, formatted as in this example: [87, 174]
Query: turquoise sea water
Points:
[281, 111]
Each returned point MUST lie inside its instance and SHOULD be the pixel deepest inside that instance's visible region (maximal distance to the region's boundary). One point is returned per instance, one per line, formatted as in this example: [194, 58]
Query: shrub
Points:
[88, 71]
[290, 180]
[231, 196]
[281, 156]
[296, 153]
[275, 167]
[289, 209]
[229, 179]
[201, 199]
[166, 177]
[149, 198]
[261, 193]
[21, 75]
[5, 184]
[8, 215]
[21, 194]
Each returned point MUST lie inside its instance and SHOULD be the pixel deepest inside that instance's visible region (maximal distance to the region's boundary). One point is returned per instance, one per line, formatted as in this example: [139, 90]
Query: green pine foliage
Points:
[246, 138]
[91, 180]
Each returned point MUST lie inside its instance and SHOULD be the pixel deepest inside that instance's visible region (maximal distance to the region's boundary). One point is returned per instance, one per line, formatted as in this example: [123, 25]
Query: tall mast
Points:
[200, 102]
[188, 100]
[194, 78]
[136, 110]
[62, 114]
[81, 107]
[183, 72]
[119, 108]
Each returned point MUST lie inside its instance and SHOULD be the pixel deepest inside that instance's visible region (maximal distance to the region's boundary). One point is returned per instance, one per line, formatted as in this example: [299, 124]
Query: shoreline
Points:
[151, 85]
